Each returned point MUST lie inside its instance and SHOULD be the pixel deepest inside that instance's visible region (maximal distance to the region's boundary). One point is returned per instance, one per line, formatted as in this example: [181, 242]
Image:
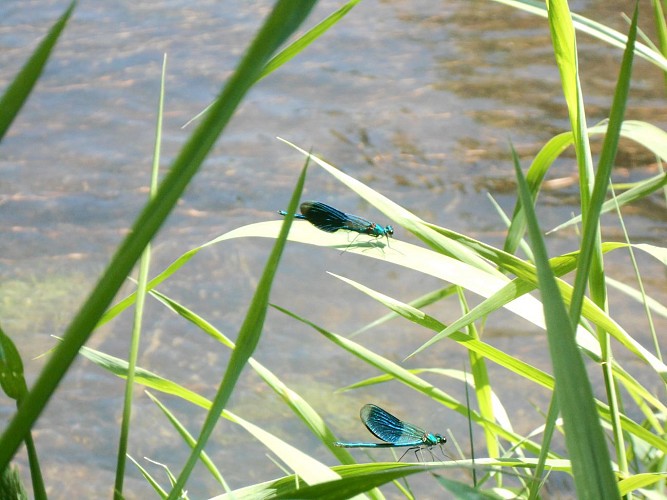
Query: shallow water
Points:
[417, 99]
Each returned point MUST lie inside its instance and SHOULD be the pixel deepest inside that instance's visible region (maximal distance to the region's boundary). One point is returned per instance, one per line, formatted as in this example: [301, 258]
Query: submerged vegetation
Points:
[611, 445]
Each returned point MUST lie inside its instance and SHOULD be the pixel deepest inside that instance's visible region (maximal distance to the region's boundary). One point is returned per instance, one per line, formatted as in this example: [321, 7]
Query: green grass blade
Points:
[512, 363]
[309, 469]
[305, 412]
[661, 29]
[12, 380]
[646, 134]
[11, 486]
[562, 264]
[119, 367]
[356, 485]
[305, 234]
[538, 169]
[307, 38]
[353, 476]
[248, 337]
[638, 431]
[584, 437]
[423, 301]
[285, 17]
[643, 396]
[170, 475]
[295, 48]
[590, 264]
[516, 288]
[150, 479]
[400, 253]
[565, 49]
[459, 489]
[356, 479]
[13, 384]
[639, 191]
[189, 440]
[39, 490]
[481, 385]
[591, 256]
[298, 405]
[144, 266]
[18, 91]
[509, 246]
[489, 352]
[411, 380]
[404, 217]
[593, 28]
[535, 485]
[628, 485]
[659, 253]
[584, 339]
[118, 308]
[471, 278]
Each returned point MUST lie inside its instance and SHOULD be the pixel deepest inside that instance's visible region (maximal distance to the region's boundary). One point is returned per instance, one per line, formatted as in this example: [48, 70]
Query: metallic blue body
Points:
[330, 219]
[393, 431]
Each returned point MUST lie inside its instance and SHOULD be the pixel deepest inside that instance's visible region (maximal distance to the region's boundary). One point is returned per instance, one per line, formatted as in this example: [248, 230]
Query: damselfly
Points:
[330, 219]
[393, 431]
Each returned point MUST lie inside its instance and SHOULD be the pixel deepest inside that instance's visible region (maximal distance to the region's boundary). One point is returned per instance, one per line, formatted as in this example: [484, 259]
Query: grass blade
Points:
[590, 257]
[481, 385]
[149, 479]
[285, 17]
[248, 339]
[189, 440]
[593, 28]
[411, 380]
[661, 29]
[523, 369]
[638, 192]
[628, 485]
[299, 406]
[12, 380]
[309, 469]
[404, 217]
[308, 37]
[18, 91]
[584, 437]
[295, 48]
[144, 266]
[646, 134]
[13, 384]
[355, 476]
[355, 480]
[404, 254]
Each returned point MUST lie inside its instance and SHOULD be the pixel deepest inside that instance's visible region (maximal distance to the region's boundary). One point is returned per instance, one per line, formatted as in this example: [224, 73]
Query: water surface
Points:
[417, 99]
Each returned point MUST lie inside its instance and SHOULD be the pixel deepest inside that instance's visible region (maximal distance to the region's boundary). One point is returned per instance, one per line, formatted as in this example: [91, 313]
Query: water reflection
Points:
[417, 99]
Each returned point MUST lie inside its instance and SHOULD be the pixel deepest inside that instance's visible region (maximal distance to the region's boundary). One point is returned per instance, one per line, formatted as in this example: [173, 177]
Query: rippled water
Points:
[417, 99]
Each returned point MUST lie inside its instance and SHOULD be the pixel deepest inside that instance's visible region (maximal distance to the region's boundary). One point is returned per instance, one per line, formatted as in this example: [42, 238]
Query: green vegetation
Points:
[608, 453]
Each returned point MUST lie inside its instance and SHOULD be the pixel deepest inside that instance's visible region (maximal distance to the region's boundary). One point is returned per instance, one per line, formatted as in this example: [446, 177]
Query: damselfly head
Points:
[440, 439]
[434, 439]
